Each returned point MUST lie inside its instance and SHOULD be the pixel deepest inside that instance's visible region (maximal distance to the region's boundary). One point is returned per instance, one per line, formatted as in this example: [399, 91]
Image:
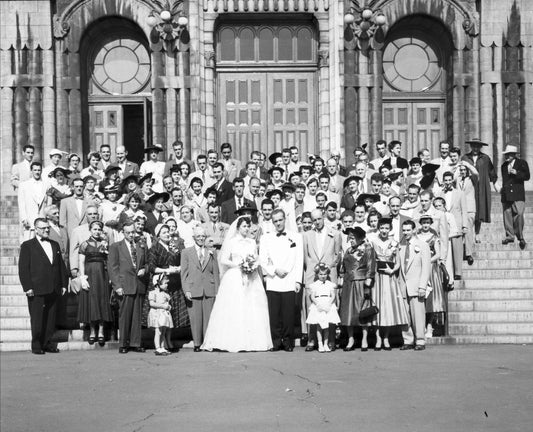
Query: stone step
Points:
[504, 255]
[490, 305]
[62, 346]
[15, 335]
[10, 251]
[496, 245]
[481, 339]
[489, 329]
[10, 242]
[490, 294]
[13, 300]
[505, 263]
[500, 316]
[497, 273]
[9, 280]
[479, 283]
[7, 261]
[15, 322]
[9, 270]
[14, 311]
[11, 289]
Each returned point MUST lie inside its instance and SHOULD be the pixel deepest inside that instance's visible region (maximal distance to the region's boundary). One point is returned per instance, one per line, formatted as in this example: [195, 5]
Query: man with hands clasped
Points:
[415, 267]
[128, 270]
[281, 258]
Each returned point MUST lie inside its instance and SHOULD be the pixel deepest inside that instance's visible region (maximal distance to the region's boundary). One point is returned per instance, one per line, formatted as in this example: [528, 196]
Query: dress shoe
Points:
[91, 340]
[420, 348]
[161, 353]
[387, 348]
[37, 351]
[197, 349]
[288, 349]
[304, 340]
[332, 347]
[123, 350]
[407, 347]
[349, 348]
[522, 244]
[101, 340]
[274, 349]
[364, 349]
[507, 241]
[138, 349]
[378, 348]
[52, 350]
[310, 348]
[470, 260]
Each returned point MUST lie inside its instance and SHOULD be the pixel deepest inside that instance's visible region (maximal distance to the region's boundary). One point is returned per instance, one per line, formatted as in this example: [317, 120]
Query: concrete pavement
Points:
[445, 388]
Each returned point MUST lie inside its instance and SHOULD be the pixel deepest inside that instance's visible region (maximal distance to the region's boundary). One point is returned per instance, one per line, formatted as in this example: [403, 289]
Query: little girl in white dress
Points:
[322, 310]
[159, 316]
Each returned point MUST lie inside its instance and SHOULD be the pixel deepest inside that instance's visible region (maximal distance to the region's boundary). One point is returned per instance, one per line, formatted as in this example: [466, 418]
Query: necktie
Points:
[407, 253]
[240, 203]
[281, 234]
[133, 254]
[201, 256]
[203, 176]
[214, 227]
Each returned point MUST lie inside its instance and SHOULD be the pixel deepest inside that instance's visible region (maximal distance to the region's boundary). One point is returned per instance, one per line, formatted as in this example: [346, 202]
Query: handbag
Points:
[367, 314]
[445, 278]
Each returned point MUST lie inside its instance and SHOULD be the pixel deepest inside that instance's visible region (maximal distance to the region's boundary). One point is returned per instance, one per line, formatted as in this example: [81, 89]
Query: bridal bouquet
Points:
[249, 264]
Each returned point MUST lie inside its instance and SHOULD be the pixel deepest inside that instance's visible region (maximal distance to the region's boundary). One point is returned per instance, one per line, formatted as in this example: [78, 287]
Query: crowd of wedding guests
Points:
[371, 246]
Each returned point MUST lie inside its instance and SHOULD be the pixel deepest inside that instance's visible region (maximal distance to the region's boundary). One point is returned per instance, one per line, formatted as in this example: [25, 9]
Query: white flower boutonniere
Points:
[417, 249]
[291, 242]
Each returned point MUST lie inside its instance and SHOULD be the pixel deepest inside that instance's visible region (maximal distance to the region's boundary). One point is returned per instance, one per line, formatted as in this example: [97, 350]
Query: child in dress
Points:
[322, 310]
[159, 316]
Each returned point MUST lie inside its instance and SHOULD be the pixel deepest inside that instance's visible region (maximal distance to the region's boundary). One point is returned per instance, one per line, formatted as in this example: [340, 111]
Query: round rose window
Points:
[121, 66]
[410, 65]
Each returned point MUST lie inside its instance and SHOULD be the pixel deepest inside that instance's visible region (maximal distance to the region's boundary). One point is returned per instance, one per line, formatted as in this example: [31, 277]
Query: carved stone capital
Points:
[209, 57]
[61, 28]
[323, 58]
[469, 27]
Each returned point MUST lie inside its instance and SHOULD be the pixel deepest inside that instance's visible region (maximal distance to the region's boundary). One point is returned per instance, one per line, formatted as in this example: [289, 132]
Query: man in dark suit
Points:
[127, 168]
[222, 186]
[128, 269]
[514, 173]
[178, 157]
[229, 207]
[199, 279]
[43, 276]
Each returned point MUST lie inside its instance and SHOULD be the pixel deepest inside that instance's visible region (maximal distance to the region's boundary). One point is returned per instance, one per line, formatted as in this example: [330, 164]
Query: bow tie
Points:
[79, 198]
[448, 189]
[281, 234]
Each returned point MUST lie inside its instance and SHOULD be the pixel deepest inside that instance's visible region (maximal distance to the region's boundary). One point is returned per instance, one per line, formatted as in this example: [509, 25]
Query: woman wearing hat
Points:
[93, 305]
[156, 214]
[165, 258]
[359, 270]
[132, 209]
[486, 175]
[154, 166]
[435, 296]
[111, 210]
[58, 189]
[93, 158]
[387, 293]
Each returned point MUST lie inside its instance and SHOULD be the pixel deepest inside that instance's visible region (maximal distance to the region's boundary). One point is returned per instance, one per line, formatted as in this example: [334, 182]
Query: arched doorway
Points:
[266, 79]
[416, 77]
[116, 92]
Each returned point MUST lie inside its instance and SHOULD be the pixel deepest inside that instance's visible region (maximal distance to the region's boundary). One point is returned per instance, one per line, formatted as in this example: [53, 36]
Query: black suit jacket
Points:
[225, 192]
[513, 184]
[35, 271]
[121, 271]
[151, 221]
[228, 208]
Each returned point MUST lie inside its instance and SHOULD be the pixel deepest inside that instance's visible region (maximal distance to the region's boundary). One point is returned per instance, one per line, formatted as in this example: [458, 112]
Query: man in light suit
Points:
[466, 186]
[415, 268]
[128, 269]
[31, 200]
[281, 258]
[78, 236]
[199, 281]
[43, 277]
[232, 167]
[127, 168]
[320, 245]
[336, 184]
[21, 171]
[73, 210]
[215, 229]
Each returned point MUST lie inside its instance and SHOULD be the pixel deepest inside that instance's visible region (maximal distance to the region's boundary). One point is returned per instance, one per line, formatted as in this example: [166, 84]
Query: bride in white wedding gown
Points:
[239, 319]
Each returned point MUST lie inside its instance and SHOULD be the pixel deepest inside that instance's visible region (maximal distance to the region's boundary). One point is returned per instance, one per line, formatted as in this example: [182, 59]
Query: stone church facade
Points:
[324, 75]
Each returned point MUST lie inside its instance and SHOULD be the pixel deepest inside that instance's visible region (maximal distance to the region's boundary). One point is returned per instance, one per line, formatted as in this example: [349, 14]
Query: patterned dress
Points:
[436, 300]
[387, 293]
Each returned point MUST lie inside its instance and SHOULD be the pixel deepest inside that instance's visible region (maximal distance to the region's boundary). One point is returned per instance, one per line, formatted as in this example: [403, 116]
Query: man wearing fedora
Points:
[486, 175]
[515, 172]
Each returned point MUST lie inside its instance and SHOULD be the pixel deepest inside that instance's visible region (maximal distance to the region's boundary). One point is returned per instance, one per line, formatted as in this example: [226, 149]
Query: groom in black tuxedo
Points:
[43, 276]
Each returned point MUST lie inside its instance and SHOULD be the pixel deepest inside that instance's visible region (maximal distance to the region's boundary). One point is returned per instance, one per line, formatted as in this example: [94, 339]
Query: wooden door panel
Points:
[106, 126]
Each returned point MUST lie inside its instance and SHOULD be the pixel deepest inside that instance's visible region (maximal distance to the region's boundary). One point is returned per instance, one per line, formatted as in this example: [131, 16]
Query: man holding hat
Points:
[486, 175]
[514, 173]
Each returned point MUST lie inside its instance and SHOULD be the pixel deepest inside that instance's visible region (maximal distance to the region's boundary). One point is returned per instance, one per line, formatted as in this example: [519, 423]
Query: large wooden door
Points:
[106, 126]
[267, 111]
[417, 125]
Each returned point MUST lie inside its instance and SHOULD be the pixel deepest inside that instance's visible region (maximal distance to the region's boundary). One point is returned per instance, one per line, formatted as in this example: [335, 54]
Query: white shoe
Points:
[327, 348]
[429, 332]
[321, 348]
